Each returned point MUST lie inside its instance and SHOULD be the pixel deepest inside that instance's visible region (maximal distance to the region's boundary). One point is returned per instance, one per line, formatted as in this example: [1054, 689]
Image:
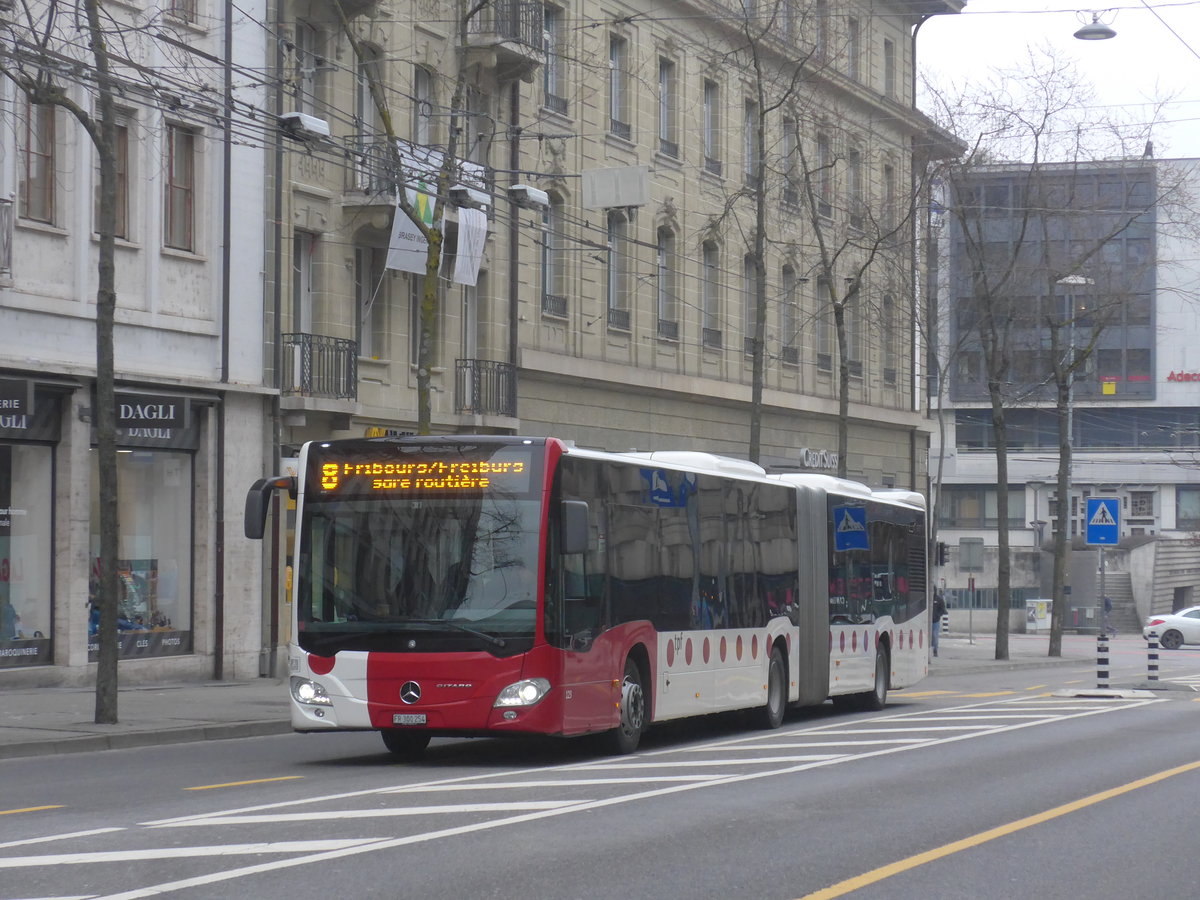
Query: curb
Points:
[94, 742]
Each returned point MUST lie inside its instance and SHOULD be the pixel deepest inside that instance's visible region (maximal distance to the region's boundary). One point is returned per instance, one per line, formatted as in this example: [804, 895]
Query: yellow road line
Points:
[209, 787]
[907, 694]
[991, 694]
[9, 812]
[883, 872]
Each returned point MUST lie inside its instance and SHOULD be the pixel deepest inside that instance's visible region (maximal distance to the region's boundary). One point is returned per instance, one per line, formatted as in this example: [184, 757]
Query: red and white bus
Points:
[490, 585]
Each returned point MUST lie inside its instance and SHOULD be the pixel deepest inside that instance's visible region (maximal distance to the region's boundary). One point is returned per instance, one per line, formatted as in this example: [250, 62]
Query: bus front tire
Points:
[627, 735]
[771, 715]
[407, 745]
[876, 699]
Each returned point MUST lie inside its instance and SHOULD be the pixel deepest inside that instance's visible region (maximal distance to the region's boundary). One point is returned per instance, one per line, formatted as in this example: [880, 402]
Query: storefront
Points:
[157, 439]
[29, 434]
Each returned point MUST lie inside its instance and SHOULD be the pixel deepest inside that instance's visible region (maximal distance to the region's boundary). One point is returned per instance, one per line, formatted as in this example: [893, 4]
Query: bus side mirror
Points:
[574, 526]
[255, 518]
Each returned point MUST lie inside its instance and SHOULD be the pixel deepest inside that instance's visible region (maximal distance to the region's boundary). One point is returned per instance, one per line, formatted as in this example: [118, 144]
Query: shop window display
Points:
[154, 565]
[26, 489]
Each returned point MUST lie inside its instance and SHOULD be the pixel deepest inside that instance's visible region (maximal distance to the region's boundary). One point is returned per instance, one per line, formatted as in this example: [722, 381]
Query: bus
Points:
[475, 585]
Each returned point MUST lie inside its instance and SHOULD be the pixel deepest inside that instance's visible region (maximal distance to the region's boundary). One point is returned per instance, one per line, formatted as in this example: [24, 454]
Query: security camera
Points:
[528, 197]
[461, 196]
[304, 127]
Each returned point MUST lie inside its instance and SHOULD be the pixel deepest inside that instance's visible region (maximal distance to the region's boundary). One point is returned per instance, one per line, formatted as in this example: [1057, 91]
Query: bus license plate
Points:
[408, 718]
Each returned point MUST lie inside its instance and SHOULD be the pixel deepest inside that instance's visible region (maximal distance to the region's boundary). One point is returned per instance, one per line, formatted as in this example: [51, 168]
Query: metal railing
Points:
[711, 337]
[485, 387]
[554, 305]
[510, 20]
[668, 329]
[318, 366]
[6, 236]
[618, 319]
[373, 166]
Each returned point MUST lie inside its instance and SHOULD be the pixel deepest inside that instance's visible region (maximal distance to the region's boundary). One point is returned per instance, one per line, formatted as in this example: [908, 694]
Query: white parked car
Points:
[1173, 630]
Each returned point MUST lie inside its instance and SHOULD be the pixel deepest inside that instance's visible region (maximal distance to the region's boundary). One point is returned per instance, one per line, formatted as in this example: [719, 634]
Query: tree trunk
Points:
[1003, 572]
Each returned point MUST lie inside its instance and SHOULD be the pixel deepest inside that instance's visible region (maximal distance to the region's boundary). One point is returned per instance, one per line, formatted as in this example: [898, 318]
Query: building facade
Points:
[1104, 278]
[188, 358]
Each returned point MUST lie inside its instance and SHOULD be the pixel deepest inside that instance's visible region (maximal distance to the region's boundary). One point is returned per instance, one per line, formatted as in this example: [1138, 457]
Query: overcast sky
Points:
[1156, 54]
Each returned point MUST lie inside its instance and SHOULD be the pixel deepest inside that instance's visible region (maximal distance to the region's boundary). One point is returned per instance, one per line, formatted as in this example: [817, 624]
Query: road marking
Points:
[761, 760]
[271, 818]
[212, 878]
[212, 787]
[59, 837]
[991, 694]
[566, 782]
[132, 855]
[13, 812]
[884, 872]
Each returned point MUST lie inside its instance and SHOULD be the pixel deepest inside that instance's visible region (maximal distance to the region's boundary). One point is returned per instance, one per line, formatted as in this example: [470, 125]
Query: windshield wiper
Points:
[435, 624]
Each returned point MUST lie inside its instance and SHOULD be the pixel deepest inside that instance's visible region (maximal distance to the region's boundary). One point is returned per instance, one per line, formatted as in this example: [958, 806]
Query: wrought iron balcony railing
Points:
[508, 20]
[318, 366]
[484, 387]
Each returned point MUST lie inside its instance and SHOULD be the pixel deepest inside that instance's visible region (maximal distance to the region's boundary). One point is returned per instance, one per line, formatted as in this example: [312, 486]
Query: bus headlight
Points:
[523, 693]
[309, 692]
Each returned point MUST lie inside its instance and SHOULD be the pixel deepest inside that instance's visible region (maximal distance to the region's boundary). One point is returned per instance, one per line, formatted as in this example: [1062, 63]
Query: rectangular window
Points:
[853, 48]
[370, 286]
[854, 189]
[122, 166]
[789, 317]
[789, 163]
[889, 69]
[308, 68]
[974, 506]
[370, 71]
[37, 163]
[889, 199]
[27, 551]
[668, 314]
[180, 189]
[821, 29]
[749, 302]
[554, 71]
[712, 128]
[618, 300]
[824, 327]
[668, 135]
[554, 301]
[1141, 504]
[156, 513]
[750, 156]
[1187, 508]
[183, 10]
[824, 175]
[618, 87]
[422, 107]
[888, 339]
[711, 282]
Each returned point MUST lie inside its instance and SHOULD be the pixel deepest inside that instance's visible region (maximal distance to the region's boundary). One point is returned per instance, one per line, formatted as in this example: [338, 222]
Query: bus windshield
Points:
[418, 570]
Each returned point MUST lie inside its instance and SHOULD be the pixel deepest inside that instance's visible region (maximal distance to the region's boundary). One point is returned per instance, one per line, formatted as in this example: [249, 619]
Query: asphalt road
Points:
[995, 784]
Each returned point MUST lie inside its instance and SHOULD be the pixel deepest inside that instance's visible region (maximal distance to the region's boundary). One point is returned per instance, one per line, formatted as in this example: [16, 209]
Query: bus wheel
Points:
[626, 736]
[408, 745]
[877, 699]
[771, 715]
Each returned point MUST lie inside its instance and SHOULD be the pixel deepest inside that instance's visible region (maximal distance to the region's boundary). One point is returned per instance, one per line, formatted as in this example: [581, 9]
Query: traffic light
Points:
[943, 553]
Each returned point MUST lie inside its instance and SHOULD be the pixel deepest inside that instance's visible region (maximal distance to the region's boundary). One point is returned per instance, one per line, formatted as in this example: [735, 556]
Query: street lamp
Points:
[1095, 30]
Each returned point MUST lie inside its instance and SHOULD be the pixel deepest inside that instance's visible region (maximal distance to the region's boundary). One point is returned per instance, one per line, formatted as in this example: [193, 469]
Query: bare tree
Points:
[1029, 238]
[33, 60]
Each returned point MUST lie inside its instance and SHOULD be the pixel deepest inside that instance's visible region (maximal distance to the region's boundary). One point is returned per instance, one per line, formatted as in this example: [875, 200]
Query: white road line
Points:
[394, 812]
[567, 782]
[131, 855]
[333, 855]
[904, 729]
[59, 837]
[762, 760]
[803, 744]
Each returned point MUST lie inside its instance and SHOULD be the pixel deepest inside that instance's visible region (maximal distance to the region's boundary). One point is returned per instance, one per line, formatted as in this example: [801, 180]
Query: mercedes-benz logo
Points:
[410, 692]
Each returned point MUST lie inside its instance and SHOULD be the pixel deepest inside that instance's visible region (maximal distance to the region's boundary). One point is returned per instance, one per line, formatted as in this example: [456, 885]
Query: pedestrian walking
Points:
[939, 611]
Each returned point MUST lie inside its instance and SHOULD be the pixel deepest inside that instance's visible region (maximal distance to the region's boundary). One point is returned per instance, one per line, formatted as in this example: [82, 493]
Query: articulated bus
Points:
[488, 585]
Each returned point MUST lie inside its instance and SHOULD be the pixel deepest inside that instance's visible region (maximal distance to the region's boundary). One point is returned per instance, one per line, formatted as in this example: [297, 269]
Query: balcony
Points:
[668, 329]
[372, 168]
[318, 366]
[618, 319]
[554, 305]
[506, 35]
[485, 388]
[711, 338]
[6, 236]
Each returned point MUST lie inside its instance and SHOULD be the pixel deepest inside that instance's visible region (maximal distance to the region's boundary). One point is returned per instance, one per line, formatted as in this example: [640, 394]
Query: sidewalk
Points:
[47, 721]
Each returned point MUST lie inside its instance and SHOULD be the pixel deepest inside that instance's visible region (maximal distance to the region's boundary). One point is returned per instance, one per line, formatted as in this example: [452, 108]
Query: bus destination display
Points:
[365, 475]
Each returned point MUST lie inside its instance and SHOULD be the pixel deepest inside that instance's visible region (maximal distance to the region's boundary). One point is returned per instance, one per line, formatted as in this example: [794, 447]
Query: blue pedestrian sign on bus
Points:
[850, 528]
[1103, 520]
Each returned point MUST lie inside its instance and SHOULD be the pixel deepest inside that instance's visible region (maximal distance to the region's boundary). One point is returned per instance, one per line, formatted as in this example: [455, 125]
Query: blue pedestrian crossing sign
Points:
[1103, 520]
[850, 528]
